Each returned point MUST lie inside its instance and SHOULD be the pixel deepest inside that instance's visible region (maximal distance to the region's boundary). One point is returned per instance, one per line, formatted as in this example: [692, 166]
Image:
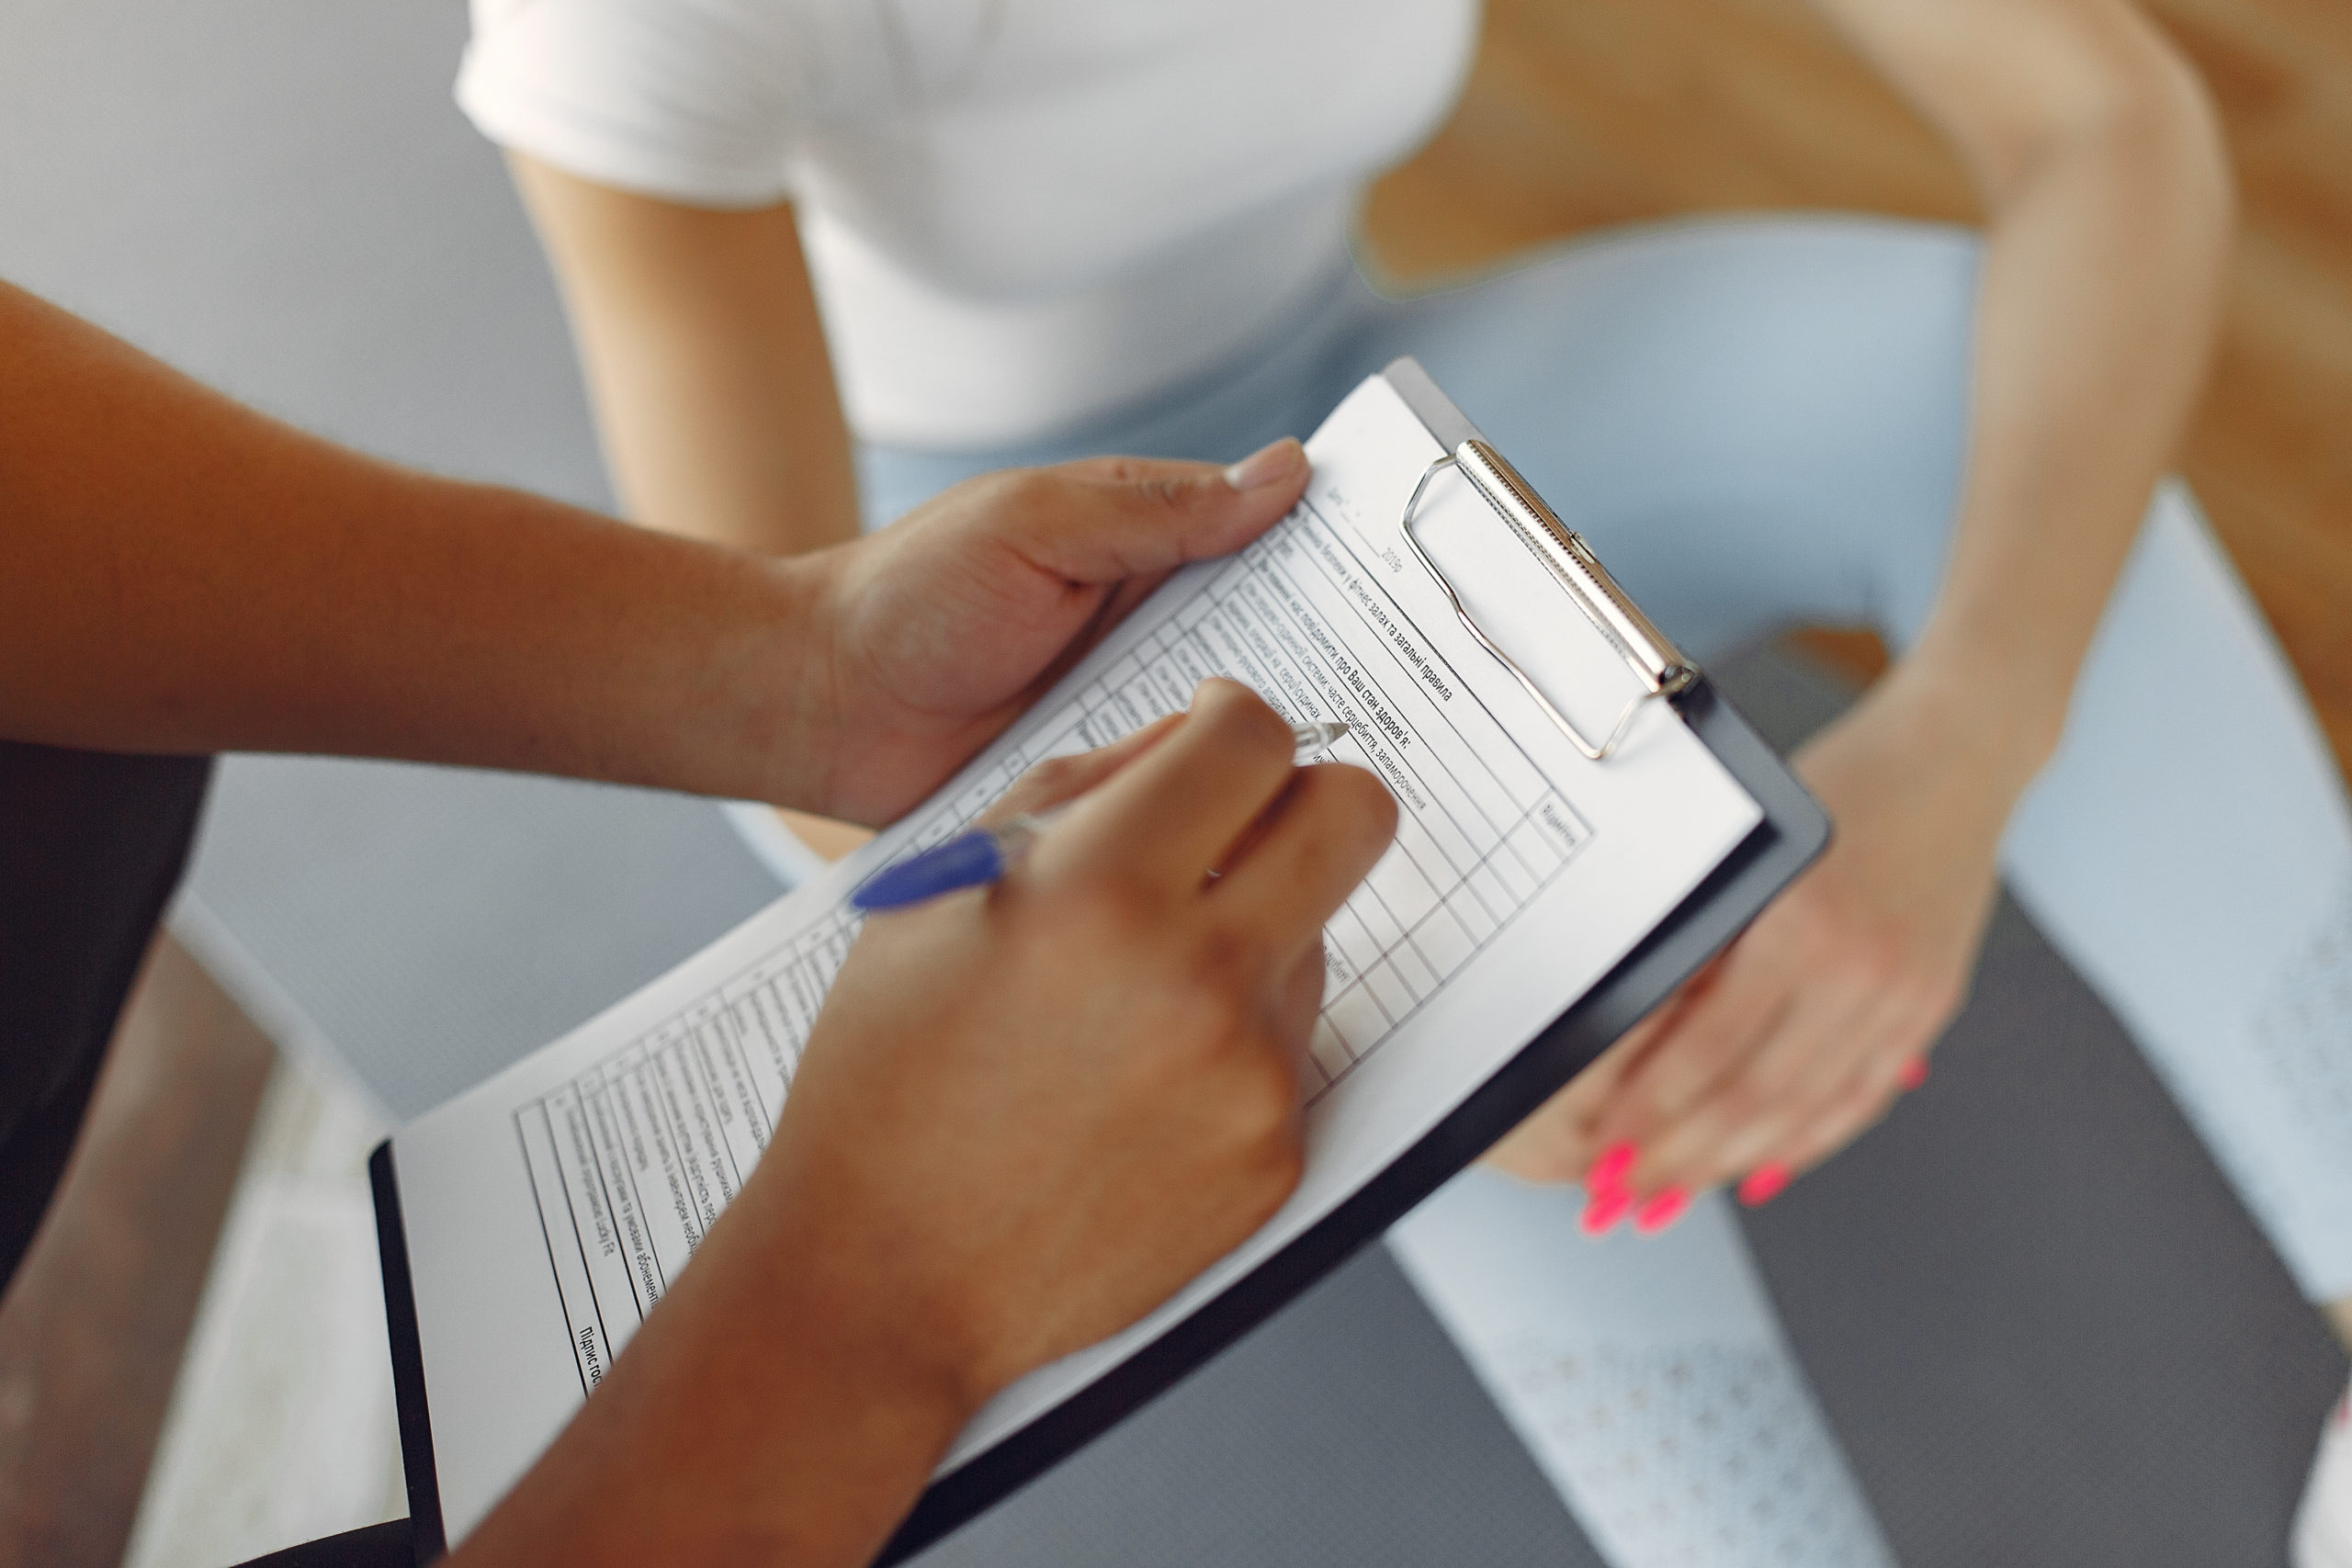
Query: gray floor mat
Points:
[2044, 1327]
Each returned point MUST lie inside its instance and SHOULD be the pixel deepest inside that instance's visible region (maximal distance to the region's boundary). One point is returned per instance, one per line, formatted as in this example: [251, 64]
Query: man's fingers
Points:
[1175, 812]
[1107, 518]
[1058, 779]
[1321, 839]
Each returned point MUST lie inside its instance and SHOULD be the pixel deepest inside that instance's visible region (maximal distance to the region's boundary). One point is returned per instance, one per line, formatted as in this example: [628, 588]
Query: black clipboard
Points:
[1794, 830]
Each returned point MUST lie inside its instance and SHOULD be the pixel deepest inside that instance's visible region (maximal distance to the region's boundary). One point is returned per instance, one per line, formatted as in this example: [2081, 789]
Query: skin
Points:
[1027, 1113]
[2096, 156]
[2098, 162]
[2095, 153]
[217, 580]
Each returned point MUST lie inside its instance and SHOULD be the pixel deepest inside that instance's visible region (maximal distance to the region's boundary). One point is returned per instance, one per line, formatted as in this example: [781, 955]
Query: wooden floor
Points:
[1584, 113]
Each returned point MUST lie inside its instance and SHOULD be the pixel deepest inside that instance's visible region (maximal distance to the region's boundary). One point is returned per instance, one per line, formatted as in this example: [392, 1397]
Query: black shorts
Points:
[92, 843]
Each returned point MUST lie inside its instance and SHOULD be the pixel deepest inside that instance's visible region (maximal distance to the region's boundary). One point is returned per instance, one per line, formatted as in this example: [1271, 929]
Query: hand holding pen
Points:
[984, 855]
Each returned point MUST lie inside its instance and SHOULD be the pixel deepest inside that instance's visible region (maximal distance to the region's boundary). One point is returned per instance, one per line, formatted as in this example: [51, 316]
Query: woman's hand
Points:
[943, 628]
[2094, 152]
[1799, 1035]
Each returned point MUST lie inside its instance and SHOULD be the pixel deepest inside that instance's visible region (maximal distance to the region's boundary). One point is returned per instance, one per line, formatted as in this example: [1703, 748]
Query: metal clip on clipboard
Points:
[1664, 672]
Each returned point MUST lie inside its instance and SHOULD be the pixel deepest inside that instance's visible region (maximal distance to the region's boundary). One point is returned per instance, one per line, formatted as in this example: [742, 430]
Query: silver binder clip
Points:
[1663, 670]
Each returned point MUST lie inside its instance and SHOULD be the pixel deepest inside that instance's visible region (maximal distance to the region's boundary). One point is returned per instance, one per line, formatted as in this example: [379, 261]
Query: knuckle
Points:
[1772, 1076]
[1158, 484]
[1053, 777]
[1672, 1080]
[1875, 956]
[1165, 493]
[1743, 1100]
[1105, 913]
[1024, 489]
[1266, 1100]
[1817, 925]
[1234, 713]
[1714, 1049]
[1217, 974]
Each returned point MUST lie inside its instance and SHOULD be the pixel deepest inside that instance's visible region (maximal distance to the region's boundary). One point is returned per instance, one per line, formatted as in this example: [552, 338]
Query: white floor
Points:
[281, 1425]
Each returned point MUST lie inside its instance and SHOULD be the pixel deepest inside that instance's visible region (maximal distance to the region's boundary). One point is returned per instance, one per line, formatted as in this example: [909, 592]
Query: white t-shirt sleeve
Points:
[697, 101]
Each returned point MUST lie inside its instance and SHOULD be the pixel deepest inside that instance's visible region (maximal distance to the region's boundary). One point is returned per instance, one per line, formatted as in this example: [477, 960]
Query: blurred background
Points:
[281, 199]
[1580, 116]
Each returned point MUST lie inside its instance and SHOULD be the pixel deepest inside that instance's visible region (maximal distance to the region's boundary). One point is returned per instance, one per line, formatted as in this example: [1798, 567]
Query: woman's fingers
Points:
[1710, 1036]
[1557, 1142]
[1786, 1086]
[1864, 1102]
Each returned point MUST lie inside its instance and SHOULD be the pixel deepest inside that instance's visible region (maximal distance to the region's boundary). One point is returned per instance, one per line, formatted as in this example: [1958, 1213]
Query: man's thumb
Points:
[1277, 462]
[1153, 515]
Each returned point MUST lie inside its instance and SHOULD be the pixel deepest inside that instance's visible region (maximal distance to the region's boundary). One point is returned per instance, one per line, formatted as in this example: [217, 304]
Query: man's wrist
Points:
[795, 724]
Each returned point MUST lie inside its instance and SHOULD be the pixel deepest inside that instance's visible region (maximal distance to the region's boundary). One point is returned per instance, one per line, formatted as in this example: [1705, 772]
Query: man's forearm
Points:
[751, 1420]
[186, 575]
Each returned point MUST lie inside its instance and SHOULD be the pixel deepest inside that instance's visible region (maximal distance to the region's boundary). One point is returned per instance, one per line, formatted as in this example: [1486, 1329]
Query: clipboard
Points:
[1792, 829]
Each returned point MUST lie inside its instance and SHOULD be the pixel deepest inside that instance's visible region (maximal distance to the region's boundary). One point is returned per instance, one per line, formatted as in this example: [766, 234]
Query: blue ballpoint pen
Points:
[985, 855]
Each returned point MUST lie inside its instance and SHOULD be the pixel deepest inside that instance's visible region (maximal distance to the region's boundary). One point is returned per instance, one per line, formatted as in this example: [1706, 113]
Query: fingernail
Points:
[1763, 1184]
[1603, 1211]
[1263, 466]
[1914, 1073]
[1608, 1172]
[1661, 1210]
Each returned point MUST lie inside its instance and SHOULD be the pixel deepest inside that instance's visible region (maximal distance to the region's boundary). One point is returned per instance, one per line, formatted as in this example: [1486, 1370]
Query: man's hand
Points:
[1140, 1022]
[1800, 1034]
[1027, 1115]
[944, 626]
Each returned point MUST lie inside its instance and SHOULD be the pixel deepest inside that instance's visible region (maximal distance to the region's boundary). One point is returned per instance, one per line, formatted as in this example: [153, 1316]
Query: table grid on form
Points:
[633, 1159]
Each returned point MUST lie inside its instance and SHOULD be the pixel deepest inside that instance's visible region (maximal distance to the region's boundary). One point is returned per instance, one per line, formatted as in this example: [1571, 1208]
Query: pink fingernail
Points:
[1764, 1183]
[1661, 1210]
[1608, 1172]
[1914, 1073]
[1604, 1210]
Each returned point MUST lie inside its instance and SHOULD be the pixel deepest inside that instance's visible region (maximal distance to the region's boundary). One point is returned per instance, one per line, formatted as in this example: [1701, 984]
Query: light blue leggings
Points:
[1761, 424]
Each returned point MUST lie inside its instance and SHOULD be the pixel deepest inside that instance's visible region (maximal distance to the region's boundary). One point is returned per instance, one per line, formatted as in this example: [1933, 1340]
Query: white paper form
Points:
[548, 1209]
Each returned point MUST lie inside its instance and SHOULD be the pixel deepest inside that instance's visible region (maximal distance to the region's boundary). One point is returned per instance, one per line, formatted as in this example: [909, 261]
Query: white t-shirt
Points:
[1020, 214]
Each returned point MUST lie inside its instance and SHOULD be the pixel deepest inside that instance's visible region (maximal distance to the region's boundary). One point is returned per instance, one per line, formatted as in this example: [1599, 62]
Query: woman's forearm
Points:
[186, 575]
[2108, 208]
[705, 362]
